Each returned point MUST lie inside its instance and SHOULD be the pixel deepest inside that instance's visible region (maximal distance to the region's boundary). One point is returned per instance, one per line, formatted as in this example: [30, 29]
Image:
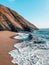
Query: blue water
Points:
[30, 53]
[44, 33]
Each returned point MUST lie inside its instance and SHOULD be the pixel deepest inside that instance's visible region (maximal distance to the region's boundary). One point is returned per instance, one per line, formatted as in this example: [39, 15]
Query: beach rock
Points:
[12, 21]
[30, 37]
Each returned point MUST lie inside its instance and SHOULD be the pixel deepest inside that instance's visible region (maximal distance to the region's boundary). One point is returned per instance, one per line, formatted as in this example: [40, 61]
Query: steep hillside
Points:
[12, 21]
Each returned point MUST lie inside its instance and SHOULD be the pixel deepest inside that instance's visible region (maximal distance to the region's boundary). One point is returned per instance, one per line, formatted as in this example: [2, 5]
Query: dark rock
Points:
[30, 37]
[39, 42]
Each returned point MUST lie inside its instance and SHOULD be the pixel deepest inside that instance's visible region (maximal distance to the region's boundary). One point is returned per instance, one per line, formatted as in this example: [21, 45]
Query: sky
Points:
[35, 11]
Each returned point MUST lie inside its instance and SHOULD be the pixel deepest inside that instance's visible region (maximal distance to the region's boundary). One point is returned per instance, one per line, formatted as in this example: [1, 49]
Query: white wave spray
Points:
[30, 53]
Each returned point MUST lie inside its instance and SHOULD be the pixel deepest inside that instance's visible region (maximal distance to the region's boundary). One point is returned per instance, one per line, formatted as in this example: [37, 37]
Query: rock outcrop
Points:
[12, 21]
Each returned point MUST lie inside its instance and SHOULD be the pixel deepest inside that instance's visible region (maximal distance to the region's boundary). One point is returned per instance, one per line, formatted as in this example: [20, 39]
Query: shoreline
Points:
[6, 45]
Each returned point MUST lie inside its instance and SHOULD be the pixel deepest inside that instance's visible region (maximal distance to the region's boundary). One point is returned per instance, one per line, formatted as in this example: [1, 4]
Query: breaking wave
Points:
[30, 53]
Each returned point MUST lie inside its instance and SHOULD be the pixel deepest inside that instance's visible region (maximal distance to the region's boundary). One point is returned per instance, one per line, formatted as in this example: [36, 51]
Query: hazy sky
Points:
[35, 11]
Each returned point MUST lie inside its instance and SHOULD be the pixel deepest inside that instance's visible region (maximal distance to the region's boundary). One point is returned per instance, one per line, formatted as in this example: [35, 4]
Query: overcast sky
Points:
[35, 11]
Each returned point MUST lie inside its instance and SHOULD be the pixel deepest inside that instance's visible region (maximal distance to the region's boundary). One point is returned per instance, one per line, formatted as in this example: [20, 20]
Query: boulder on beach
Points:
[30, 37]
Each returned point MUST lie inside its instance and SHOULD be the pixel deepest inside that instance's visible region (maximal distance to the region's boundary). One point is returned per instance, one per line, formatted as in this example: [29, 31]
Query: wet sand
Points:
[6, 45]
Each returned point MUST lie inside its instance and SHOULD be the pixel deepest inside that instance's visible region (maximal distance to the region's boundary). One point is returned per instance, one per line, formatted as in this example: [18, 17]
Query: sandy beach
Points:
[6, 45]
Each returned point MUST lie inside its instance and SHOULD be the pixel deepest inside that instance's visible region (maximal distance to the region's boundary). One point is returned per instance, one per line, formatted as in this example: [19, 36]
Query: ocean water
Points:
[30, 53]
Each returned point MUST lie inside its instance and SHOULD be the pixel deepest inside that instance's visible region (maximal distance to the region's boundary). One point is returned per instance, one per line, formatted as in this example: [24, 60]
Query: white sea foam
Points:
[29, 53]
[21, 36]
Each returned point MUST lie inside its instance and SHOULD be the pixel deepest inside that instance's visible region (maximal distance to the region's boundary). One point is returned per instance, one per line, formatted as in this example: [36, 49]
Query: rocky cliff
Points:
[12, 21]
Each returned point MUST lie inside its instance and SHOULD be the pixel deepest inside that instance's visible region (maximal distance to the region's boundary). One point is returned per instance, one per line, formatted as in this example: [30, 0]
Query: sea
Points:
[29, 52]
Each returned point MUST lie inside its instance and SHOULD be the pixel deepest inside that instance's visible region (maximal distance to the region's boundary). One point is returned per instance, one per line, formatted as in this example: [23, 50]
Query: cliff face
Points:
[12, 21]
